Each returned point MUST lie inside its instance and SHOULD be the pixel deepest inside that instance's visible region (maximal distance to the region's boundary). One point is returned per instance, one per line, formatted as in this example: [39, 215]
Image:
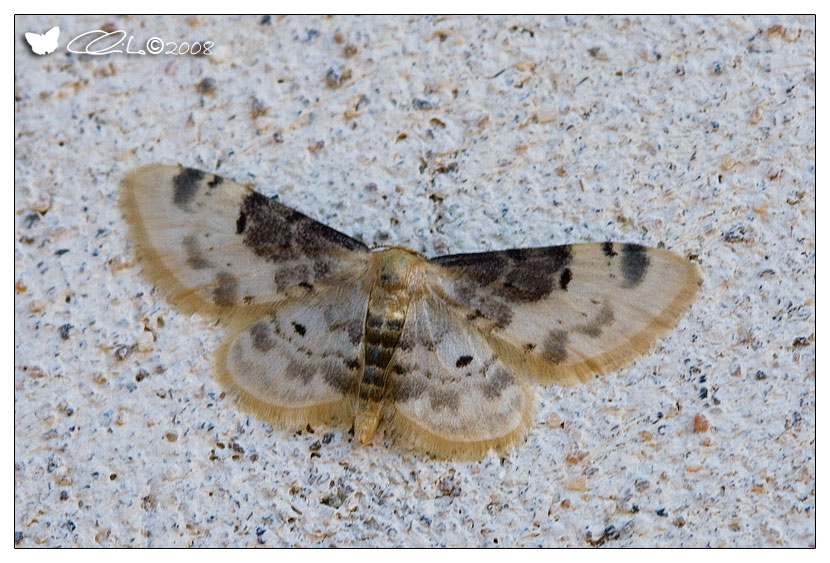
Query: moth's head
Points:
[394, 265]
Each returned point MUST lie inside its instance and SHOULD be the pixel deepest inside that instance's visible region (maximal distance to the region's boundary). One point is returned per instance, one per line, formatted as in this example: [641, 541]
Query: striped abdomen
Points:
[384, 323]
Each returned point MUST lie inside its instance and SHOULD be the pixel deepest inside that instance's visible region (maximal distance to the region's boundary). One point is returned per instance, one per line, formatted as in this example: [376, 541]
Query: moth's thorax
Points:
[385, 316]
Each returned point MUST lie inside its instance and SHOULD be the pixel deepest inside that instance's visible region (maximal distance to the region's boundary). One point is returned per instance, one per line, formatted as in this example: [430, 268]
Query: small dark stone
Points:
[801, 341]
[31, 219]
[422, 105]
[64, 331]
[122, 352]
[206, 86]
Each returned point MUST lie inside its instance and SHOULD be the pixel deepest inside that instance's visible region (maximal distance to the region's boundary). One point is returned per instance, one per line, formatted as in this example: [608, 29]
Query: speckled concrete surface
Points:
[441, 134]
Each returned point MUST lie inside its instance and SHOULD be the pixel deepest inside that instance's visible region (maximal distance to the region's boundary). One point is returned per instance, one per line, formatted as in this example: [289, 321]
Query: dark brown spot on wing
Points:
[532, 272]
[215, 181]
[297, 370]
[483, 267]
[499, 313]
[240, 222]
[321, 269]
[267, 233]
[604, 317]
[195, 258]
[554, 347]
[525, 285]
[496, 383]
[305, 250]
[443, 399]
[407, 388]
[279, 233]
[341, 379]
[353, 327]
[463, 361]
[608, 249]
[281, 281]
[635, 262]
[492, 280]
[555, 257]
[227, 289]
[185, 186]
[298, 328]
[261, 337]
[325, 236]
[565, 278]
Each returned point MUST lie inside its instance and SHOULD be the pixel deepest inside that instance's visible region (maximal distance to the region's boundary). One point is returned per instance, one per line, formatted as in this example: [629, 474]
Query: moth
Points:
[443, 350]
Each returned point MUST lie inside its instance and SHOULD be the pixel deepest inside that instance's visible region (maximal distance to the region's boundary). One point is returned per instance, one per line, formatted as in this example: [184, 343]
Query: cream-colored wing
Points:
[564, 313]
[301, 363]
[452, 395]
[213, 246]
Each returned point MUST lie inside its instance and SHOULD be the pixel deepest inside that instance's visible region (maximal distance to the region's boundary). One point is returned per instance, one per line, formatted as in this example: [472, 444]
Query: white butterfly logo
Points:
[44, 44]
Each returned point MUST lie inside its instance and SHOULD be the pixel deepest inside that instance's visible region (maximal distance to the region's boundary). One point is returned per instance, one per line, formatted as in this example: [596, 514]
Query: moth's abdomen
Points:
[385, 318]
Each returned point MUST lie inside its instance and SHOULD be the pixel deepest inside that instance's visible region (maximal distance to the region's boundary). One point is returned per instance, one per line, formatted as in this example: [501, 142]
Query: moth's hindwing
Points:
[299, 364]
[452, 394]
